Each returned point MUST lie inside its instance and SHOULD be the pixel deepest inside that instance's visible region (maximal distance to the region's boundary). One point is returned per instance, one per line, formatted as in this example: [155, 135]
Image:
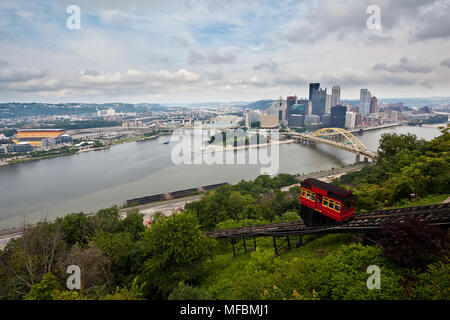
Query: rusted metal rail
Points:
[371, 222]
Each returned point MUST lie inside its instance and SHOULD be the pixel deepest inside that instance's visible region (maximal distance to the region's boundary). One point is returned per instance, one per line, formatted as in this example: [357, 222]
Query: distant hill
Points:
[419, 102]
[412, 102]
[18, 109]
[260, 104]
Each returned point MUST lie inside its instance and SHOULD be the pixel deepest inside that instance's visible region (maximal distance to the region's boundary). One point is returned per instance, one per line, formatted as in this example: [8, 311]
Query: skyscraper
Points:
[335, 96]
[364, 102]
[281, 103]
[350, 120]
[319, 98]
[328, 103]
[337, 116]
[300, 107]
[296, 121]
[290, 101]
[312, 87]
[373, 105]
[251, 116]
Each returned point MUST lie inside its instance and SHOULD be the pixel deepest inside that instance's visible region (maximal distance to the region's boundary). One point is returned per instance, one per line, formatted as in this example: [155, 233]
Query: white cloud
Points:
[268, 64]
[446, 63]
[218, 57]
[20, 74]
[405, 65]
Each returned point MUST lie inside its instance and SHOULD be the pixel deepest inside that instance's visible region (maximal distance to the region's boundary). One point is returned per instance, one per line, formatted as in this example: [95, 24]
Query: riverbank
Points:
[58, 153]
[65, 154]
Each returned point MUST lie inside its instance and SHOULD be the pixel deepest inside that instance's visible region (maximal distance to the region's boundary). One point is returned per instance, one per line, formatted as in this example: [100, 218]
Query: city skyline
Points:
[181, 51]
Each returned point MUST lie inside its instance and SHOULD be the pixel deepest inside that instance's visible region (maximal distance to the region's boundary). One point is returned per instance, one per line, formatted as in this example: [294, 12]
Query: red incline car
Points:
[322, 201]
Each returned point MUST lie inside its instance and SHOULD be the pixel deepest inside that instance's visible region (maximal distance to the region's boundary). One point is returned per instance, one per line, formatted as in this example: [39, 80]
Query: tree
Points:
[236, 204]
[36, 253]
[132, 224]
[45, 289]
[176, 251]
[106, 220]
[132, 293]
[95, 267]
[186, 292]
[290, 216]
[74, 228]
[412, 242]
[392, 143]
[118, 248]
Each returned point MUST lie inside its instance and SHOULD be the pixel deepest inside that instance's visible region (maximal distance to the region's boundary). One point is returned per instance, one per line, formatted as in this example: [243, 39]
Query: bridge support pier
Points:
[275, 246]
[234, 250]
[357, 158]
[300, 242]
[366, 160]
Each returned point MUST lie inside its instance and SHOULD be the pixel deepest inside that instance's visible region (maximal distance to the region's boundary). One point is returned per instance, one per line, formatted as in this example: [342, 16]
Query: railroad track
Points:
[436, 214]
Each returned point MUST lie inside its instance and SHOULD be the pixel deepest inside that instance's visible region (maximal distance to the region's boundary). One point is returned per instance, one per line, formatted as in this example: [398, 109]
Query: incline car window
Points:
[331, 204]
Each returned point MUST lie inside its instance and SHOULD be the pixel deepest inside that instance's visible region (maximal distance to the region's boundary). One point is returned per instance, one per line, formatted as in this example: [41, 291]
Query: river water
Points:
[93, 180]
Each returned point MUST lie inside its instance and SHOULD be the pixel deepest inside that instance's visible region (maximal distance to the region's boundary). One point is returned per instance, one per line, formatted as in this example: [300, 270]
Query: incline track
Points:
[370, 222]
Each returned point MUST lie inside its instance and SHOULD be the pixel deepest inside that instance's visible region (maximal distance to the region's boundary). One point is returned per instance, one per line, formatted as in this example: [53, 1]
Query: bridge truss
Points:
[357, 145]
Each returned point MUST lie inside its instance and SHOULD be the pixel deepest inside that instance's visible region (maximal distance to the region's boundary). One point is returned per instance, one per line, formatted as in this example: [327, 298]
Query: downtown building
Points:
[359, 120]
[312, 122]
[279, 108]
[350, 120]
[312, 88]
[335, 96]
[297, 113]
[373, 105]
[251, 117]
[290, 101]
[300, 107]
[296, 121]
[269, 121]
[337, 116]
[364, 102]
[319, 100]
[328, 103]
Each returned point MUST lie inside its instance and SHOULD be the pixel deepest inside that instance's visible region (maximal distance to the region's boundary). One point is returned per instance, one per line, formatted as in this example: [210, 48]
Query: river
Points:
[90, 181]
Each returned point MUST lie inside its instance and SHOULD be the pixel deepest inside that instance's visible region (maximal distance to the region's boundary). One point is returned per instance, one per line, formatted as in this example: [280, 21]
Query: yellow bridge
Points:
[330, 136]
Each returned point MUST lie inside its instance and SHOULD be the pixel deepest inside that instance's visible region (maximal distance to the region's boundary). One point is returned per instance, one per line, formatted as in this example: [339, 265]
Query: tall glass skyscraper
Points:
[319, 99]
[290, 101]
[312, 87]
[335, 96]
[337, 116]
[364, 102]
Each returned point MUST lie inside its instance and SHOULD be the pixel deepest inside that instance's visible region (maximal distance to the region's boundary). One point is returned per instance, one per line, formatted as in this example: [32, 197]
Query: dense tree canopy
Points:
[407, 165]
[176, 251]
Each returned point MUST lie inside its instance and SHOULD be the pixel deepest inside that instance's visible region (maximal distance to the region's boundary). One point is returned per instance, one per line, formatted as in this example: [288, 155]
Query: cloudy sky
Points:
[221, 50]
